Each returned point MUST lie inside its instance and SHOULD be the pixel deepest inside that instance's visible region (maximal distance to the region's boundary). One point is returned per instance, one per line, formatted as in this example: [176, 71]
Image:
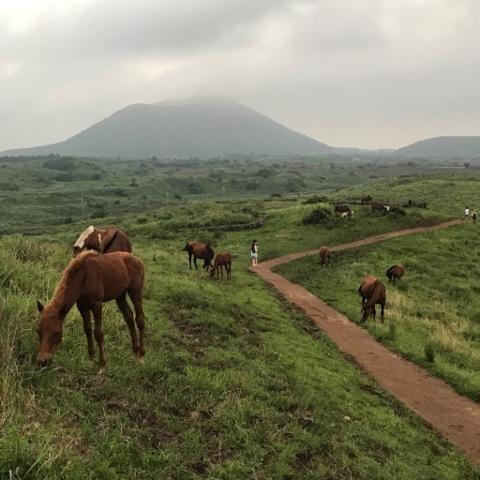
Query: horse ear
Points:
[39, 306]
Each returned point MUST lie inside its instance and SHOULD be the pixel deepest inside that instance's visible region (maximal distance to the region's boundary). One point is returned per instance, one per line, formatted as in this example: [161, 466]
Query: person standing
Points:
[254, 253]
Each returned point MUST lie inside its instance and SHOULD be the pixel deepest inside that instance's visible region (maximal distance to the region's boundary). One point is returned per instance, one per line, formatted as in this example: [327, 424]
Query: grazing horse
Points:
[340, 209]
[366, 199]
[103, 241]
[89, 280]
[324, 253]
[199, 250]
[380, 207]
[222, 260]
[373, 293]
[395, 272]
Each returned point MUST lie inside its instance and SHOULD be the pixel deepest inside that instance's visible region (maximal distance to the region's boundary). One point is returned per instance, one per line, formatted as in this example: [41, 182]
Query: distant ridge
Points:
[444, 147]
[198, 127]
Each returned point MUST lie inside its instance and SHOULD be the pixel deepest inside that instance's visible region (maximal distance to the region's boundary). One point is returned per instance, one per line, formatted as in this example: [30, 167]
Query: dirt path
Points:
[454, 416]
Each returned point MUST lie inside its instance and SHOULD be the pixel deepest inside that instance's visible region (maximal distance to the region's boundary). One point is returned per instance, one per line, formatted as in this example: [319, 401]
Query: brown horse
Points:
[324, 253]
[199, 250]
[89, 280]
[373, 293]
[103, 241]
[394, 273]
[366, 199]
[222, 260]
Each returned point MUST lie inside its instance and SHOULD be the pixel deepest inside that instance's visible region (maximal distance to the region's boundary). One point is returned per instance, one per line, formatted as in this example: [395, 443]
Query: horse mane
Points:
[69, 274]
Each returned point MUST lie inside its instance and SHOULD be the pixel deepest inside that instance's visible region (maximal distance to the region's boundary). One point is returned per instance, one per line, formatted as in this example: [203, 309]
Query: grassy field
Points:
[433, 312]
[236, 384]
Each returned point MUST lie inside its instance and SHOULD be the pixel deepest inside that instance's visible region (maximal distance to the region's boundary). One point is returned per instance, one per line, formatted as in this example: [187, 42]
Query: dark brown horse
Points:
[373, 292]
[222, 260]
[395, 272]
[90, 280]
[366, 199]
[324, 253]
[199, 250]
[103, 241]
[343, 208]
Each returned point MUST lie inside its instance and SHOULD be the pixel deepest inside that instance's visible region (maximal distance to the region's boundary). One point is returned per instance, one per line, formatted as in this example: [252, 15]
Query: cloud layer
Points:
[366, 73]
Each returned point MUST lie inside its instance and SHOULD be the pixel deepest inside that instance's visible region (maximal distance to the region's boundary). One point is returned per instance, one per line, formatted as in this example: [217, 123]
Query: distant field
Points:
[51, 192]
[236, 384]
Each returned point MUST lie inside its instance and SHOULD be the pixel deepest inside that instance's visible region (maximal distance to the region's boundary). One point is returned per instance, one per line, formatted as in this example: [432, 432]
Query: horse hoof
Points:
[141, 360]
[101, 371]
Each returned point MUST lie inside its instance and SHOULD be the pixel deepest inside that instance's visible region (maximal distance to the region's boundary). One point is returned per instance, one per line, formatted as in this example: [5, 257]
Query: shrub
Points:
[318, 215]
[429, 352]
[315, 199]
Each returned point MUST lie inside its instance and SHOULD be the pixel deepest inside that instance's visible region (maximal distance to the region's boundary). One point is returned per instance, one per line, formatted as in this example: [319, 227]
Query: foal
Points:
[89, 280]
[222, 260]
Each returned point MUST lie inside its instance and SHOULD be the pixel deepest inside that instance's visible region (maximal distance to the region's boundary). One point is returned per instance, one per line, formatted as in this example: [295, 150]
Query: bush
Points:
[429, 352]
[315, 199]
[318, 215]
[398, 211]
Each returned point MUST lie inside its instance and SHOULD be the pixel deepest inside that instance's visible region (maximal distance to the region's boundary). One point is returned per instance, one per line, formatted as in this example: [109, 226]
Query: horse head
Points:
[90, 239]
[49, 331]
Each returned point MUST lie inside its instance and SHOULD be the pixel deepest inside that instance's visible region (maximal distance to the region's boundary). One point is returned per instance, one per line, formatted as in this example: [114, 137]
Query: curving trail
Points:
[454, 416]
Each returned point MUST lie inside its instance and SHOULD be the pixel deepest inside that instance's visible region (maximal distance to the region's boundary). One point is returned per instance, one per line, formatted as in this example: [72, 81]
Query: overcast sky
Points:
[364, 73]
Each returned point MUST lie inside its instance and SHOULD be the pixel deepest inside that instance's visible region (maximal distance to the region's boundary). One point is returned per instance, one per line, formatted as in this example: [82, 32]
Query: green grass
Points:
[235, 385]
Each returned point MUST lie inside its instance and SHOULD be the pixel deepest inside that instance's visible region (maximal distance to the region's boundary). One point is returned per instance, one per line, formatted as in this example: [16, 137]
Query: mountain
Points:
[440, 147]
[200, 127]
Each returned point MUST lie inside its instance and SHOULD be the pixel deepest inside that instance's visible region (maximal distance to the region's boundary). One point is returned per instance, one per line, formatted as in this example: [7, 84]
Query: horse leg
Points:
[229, 271]
[128, 316]
[195, 262]
[136, 295]
[374, 312]
[221, 271]
[190, 259]
[97, 315]
[87, 327]
[383, 308]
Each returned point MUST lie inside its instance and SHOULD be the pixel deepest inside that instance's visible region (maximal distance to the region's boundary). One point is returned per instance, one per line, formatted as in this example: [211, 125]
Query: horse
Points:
[222, 260]
[366, 199]
[380, 207]
[373, 292]
[339, 209]
[103, 241]
[89, 280]
[395, 272]
[199, 250]
[324, 253]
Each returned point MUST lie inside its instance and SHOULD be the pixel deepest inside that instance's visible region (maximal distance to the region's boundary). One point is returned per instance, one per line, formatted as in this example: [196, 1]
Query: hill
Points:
[441, 147]
[200, 127]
